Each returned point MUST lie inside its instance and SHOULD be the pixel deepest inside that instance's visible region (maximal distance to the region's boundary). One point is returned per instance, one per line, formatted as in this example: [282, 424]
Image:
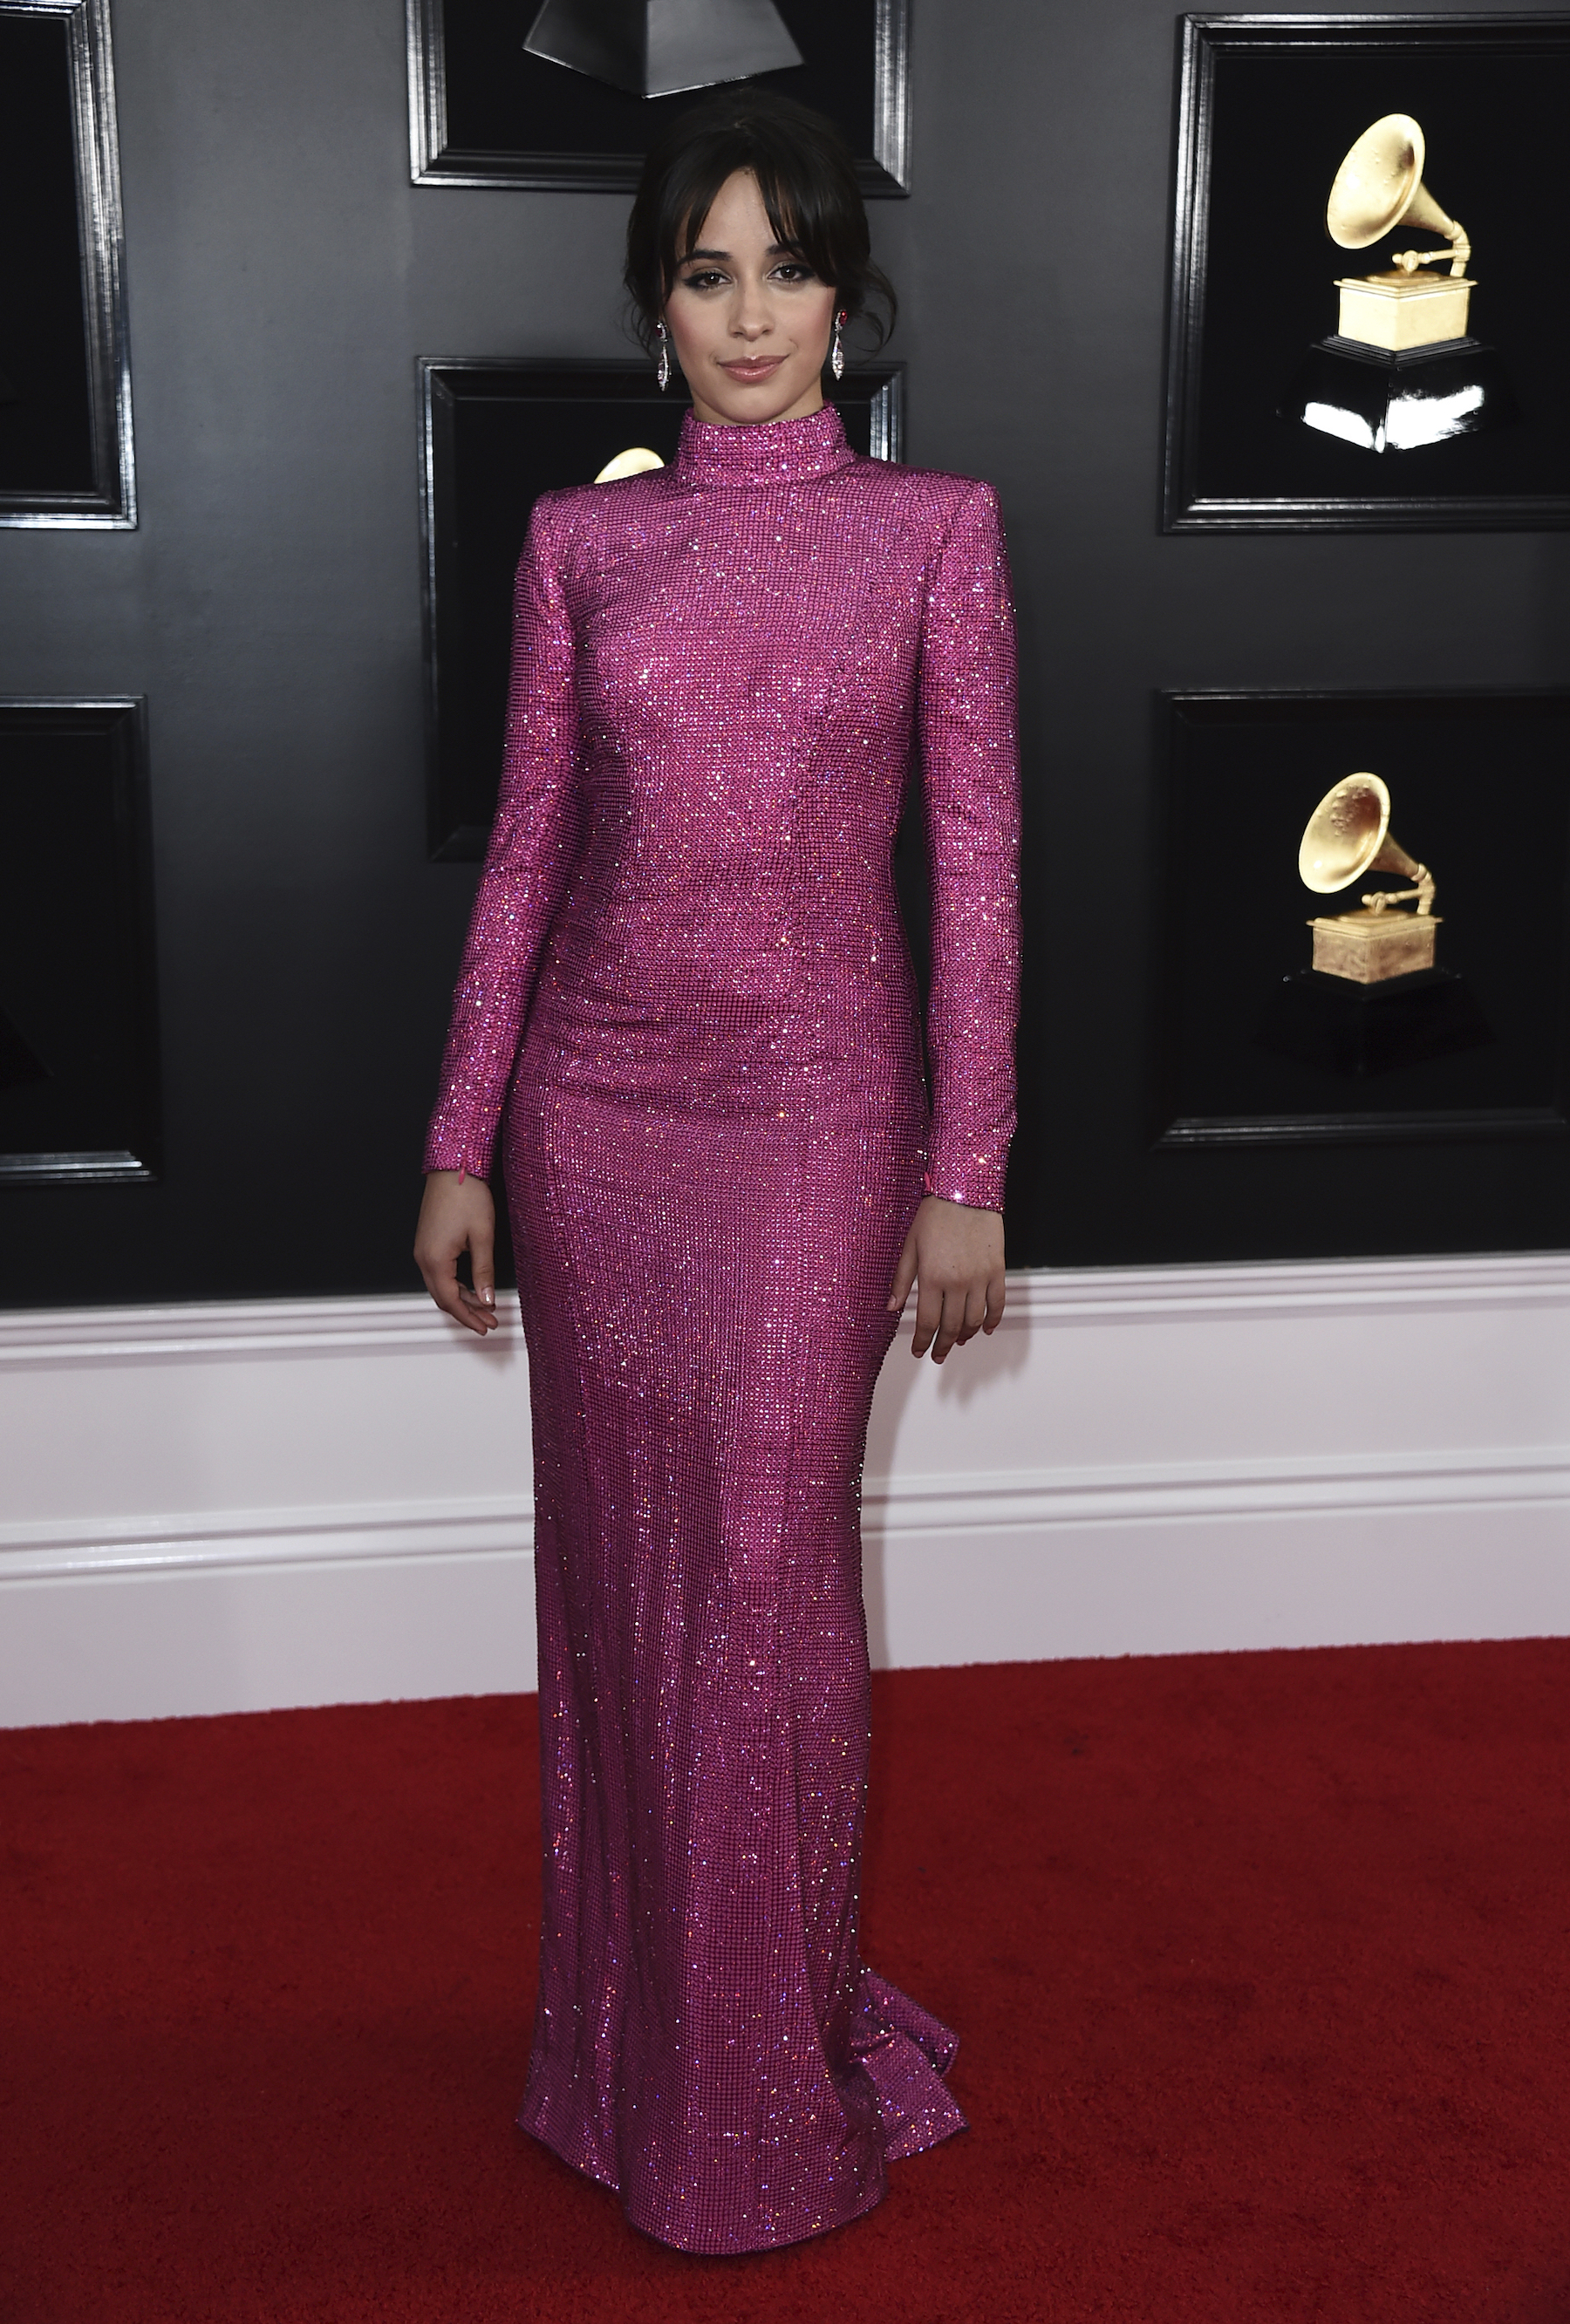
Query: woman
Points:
[686, 992]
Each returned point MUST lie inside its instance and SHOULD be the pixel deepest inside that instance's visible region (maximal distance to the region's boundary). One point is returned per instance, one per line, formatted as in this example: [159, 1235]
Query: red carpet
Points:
[1261, 1964]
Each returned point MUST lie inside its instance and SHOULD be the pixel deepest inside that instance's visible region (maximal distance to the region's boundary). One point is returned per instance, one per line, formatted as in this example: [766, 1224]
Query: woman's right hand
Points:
[458, 1214]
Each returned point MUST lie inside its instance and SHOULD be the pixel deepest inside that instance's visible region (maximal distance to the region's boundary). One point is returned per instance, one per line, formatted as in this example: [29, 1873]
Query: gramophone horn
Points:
[652, 48]
[1345, 832]
[1379, 183]
[635, 462]
[1349, 834]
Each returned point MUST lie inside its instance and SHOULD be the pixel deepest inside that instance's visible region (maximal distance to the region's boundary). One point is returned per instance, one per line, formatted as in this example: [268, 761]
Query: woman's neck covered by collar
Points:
[762, 452]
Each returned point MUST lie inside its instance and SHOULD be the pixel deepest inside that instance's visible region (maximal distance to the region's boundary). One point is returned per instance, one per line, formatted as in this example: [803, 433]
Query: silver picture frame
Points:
[81, 1102]
[883, 169]
[110, 504]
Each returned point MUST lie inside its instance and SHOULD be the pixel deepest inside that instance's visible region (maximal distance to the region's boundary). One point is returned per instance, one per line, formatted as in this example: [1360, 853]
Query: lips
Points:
[749, 371]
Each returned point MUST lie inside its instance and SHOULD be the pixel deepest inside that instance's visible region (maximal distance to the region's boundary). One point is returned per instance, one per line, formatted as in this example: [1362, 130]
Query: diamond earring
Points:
[836, 352]
[662, 371]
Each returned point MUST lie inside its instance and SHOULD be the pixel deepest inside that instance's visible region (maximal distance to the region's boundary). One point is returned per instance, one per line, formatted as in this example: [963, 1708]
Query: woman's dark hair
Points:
[806, 179]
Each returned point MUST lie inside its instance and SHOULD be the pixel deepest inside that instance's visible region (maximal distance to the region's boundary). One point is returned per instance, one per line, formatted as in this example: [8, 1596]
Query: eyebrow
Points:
[775, 250]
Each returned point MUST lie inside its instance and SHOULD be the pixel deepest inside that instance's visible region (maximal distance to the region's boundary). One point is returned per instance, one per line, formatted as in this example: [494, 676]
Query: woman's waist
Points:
[743, 1049]
[654, 968]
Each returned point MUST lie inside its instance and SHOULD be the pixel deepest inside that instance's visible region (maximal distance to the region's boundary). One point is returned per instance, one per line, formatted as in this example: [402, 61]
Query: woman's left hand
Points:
[955, 1256]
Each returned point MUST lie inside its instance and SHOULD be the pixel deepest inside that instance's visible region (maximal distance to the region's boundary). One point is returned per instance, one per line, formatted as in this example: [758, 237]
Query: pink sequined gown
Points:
[687, 997]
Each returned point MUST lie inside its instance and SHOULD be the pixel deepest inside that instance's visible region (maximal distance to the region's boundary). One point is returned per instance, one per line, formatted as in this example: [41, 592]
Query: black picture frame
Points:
[1243, 773]
[482, 113]
[1267, 107]
[67, 453]
[493, 434]
[79, 999]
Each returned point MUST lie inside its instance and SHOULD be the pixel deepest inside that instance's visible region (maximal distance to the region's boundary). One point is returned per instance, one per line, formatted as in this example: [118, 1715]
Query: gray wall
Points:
[283, 275]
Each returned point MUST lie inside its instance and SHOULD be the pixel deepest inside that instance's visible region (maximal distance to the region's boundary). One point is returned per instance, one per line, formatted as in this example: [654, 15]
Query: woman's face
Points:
[748, 319]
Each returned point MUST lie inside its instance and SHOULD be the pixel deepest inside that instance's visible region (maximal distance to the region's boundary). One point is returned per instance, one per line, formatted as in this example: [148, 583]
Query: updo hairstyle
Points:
[807, 181]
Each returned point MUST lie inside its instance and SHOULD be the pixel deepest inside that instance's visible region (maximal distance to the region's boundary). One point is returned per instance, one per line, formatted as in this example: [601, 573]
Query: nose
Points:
[750, 318]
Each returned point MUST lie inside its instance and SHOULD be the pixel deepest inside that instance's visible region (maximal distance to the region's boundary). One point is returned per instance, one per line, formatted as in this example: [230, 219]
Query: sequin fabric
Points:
[687, 1009]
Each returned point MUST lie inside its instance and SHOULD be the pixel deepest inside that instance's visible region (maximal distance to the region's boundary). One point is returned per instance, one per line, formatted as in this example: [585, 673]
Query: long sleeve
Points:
[527, 866]
[970, 777]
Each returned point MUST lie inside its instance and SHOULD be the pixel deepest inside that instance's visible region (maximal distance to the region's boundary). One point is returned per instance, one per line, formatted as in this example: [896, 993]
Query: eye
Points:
[795, 270]
[704, 280]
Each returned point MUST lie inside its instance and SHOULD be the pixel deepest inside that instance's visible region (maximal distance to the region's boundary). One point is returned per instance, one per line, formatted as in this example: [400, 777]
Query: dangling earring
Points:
[836, 352]
[663, 372]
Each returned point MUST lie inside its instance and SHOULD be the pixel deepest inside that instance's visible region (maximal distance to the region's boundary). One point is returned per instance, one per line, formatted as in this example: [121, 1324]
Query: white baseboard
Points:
[246, 1507]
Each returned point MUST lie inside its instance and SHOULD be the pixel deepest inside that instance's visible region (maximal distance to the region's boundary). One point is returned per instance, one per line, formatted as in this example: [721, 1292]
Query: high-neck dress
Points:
[686, 1008]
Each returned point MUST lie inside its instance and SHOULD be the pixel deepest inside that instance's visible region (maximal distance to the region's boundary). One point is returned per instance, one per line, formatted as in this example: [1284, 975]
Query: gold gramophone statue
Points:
[1378, 187]
[1399, 370]
[1375, 999]
[1348, 835]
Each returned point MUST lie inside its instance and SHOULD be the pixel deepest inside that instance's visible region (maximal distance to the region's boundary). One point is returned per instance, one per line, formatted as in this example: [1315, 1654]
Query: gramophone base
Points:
[1381, 402]
[1371, 1029]
[1371, 947]
[1399, 310]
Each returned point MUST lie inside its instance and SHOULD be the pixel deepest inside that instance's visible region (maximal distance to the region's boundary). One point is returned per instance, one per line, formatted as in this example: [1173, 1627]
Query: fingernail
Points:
[488, 1297]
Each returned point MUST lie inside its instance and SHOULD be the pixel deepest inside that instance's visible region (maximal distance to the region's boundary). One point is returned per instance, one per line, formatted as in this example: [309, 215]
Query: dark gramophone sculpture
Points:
[1399, 370]
[20, 1063]
[652, 48]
